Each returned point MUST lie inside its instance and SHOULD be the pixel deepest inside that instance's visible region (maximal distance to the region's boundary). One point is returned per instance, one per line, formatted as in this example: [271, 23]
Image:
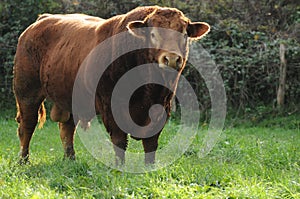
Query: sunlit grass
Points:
[251, 161]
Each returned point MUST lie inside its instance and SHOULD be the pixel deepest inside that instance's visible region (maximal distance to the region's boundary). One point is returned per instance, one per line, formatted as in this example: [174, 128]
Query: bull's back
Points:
[81, 17]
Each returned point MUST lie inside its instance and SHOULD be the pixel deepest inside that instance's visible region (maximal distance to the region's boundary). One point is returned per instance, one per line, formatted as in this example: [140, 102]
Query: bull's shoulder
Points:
[43, 16]
[80, 17]
[118, 23]
[140, 13]
[85, 17]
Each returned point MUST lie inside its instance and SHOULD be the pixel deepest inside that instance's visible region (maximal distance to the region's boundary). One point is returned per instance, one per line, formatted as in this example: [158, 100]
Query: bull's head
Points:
[168, 28]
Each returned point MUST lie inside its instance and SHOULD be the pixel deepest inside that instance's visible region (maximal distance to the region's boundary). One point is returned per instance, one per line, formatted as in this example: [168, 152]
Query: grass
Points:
[249, 161]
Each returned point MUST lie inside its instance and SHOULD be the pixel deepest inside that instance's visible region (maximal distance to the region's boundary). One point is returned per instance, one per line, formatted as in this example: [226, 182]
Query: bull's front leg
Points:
[119, 140]
[150, 147]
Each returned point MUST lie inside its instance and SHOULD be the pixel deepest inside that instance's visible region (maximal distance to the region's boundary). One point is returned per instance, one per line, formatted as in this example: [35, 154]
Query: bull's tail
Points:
[18, 117]
[42, 116]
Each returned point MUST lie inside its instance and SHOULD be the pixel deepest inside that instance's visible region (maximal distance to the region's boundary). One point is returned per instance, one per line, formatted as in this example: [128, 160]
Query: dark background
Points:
[244, 43]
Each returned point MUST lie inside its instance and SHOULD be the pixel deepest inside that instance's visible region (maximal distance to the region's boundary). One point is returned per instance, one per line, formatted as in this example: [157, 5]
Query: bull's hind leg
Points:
[67, 130]
[27, 118]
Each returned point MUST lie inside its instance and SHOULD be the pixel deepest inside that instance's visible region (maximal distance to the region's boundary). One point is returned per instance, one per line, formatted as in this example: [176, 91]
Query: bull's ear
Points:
[136, 29]
[197, 30]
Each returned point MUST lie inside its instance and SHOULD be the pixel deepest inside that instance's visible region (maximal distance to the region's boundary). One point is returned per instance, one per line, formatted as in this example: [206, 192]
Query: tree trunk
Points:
[282, 76]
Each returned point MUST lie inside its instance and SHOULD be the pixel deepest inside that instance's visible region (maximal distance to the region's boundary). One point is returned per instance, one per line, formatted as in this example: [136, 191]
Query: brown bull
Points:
[51, 51]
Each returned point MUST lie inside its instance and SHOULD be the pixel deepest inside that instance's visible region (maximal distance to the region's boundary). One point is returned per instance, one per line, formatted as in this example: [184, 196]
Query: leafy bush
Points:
[15, 17]
[244, 42]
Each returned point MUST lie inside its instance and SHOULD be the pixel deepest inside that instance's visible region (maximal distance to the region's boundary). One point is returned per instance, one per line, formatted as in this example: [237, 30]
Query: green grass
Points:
[249, 161]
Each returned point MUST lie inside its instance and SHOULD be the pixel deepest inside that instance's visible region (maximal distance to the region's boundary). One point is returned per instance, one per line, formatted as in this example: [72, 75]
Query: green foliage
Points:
[248, 162]
[249, 62]
[244, 42]
[15, 17]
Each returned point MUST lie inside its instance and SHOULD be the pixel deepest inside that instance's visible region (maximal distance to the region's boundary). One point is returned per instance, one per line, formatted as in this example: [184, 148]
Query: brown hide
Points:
[51, 50]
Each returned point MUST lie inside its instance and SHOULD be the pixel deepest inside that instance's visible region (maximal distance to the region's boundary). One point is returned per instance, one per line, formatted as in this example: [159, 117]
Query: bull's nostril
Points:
[179, 61]
[166, 60]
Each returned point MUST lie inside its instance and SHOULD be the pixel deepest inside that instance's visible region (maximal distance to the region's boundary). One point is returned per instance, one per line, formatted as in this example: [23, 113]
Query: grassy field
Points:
[251, 160]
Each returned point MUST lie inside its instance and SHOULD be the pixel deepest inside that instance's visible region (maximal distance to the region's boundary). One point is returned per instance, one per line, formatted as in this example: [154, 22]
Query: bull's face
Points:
[168, 32]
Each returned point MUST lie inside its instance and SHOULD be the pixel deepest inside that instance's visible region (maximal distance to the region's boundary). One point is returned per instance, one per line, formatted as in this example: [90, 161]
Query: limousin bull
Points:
[51, 51]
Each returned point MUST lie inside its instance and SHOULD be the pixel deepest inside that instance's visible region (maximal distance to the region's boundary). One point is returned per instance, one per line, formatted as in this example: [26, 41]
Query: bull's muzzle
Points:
[172, 60]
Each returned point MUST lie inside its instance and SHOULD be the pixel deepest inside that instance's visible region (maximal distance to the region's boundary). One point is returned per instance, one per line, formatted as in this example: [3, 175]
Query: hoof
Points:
[24, 160]
[69, 157]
